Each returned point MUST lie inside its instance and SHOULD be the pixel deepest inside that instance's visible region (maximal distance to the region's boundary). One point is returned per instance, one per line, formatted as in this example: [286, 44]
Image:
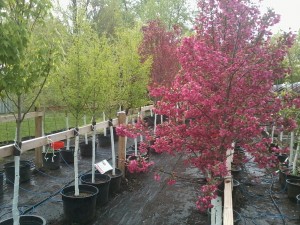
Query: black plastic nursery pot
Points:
[115, 182]
[102, 182]
[293, 189]
[105, 141]
[51, 161]
[79, 209]
[284, 174]
[25, 171]
[86, 150]
[67, 155]
[1, 181]
[26, 220]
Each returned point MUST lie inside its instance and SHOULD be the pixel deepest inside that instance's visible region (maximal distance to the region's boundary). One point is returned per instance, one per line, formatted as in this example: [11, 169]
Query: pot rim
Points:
[36, 216]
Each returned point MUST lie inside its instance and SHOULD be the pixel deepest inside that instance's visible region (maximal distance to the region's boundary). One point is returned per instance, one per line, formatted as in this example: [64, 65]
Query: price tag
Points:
[103, 166]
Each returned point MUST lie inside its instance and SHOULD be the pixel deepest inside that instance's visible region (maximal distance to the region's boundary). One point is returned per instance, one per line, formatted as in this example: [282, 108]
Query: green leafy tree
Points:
[13, 35]
[293, 60]
[23, 76]
[106, 16]
[74, 79]
[133, 72]
[170, 12]
[102, 75]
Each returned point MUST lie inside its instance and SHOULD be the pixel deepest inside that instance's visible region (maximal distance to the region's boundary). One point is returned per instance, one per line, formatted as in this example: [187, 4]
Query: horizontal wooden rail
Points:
[9, 118]
[41, 141]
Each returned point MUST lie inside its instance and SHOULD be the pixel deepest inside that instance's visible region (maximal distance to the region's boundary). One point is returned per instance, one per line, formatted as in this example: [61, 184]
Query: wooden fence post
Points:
[38, 133]
[121, 144]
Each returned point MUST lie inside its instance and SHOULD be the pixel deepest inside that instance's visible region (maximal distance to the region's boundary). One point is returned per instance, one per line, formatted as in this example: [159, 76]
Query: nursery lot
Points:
[145, 201]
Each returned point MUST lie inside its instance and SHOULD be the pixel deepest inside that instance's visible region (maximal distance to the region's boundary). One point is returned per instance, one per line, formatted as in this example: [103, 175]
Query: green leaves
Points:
[29, 50]
[133, 73]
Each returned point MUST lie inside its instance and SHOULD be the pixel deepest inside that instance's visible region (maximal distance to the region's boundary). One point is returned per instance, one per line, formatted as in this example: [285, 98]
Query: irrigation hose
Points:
[52, 195]
[278, 209]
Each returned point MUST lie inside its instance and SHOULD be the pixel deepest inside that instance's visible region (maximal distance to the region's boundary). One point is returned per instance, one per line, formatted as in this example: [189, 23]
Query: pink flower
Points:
[171, 182]
[156, 177]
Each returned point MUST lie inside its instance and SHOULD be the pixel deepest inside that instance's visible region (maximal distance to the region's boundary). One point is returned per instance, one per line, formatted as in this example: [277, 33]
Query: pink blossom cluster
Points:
[208, 192]
[138, 164]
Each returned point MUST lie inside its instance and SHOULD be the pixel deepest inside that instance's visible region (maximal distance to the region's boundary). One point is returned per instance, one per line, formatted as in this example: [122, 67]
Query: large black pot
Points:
[105, 141]
[26, 220]
[115, 182]
[293, 188]
[67, 156]
[79, 209]
[86, 150]
[50, 161]
[284, 174]
[102, 182]
[25, 172]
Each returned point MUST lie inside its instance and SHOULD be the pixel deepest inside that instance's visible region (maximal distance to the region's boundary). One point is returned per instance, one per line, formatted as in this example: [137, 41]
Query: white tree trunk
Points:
[67, 127]
[291, 148]
[85, 135]
[15, 210]
[94, 156]
[76, 165]
[113, 154]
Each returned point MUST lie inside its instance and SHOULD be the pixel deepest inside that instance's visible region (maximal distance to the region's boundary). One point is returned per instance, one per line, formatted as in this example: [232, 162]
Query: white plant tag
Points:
[103, 166]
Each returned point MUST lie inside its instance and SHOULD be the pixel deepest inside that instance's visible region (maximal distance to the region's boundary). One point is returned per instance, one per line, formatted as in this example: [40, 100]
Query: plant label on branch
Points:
[103, 166]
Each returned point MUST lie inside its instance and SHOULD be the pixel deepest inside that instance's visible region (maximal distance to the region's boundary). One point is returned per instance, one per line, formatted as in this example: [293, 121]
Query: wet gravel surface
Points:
[258, 199]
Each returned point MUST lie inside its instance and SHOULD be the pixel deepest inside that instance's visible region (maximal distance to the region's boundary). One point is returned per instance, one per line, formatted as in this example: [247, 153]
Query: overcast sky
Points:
[289, 11]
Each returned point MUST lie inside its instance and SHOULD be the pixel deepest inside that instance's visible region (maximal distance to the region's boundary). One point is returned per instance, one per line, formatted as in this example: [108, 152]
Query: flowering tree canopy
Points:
[222, 94]
[161, 45]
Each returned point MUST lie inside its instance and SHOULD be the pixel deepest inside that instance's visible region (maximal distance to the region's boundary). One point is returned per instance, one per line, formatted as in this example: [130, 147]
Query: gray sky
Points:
[289, 11]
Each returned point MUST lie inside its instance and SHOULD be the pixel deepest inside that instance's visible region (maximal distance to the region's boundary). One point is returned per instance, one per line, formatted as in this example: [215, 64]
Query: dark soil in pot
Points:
[79, 209]
[115, 182]
[25, 172]
[51, 161]
[67, 156]
[26, 220]
[102, 182]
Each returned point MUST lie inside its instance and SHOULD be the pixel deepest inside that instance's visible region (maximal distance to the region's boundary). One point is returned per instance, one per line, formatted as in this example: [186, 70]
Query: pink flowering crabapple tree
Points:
[161, 45]
[222, 94]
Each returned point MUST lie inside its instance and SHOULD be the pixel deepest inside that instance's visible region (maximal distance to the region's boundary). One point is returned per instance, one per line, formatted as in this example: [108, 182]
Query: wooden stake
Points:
[38, 133]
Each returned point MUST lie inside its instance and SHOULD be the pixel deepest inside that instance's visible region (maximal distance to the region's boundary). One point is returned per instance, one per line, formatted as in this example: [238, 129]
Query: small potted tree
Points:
[101, 73]
[79, 201]
[23, 78]
[219, 62]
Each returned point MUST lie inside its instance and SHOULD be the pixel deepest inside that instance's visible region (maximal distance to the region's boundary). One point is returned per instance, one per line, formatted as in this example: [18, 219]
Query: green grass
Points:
[53, 121]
